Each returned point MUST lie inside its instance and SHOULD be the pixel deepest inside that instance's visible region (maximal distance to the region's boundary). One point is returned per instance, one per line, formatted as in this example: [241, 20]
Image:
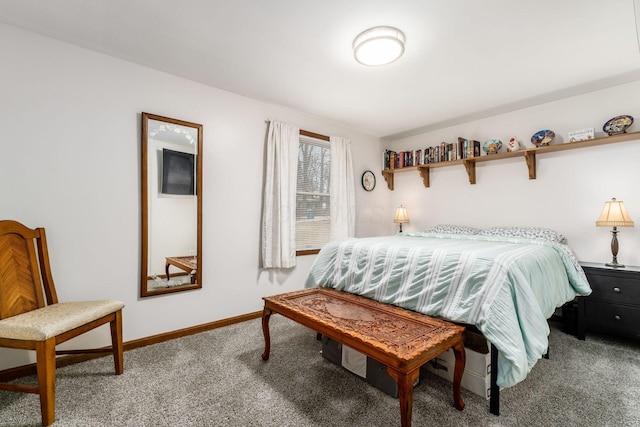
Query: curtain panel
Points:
[343, 201]
[279, 208]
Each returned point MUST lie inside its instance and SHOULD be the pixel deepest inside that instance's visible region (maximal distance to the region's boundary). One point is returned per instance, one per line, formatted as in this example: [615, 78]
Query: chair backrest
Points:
[23, 273]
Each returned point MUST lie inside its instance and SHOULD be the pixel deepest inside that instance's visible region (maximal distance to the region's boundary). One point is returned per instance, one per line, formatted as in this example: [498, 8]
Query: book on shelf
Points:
[443, 152]
[468, 148]
[404, 159]
[408, 158]
[462, 148]
[387, 156]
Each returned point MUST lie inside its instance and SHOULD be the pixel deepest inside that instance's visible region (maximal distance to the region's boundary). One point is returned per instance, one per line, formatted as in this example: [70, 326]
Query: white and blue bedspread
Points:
[507, 287]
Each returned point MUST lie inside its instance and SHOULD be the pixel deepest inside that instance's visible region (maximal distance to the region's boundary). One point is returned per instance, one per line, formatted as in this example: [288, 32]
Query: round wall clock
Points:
[368, 180]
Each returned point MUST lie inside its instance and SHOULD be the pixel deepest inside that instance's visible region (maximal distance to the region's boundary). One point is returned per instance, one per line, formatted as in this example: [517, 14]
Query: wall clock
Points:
[368, 180]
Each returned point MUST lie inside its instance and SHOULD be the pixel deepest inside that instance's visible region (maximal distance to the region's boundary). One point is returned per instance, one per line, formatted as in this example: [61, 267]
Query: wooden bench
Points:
[185, 263]
[400, 339]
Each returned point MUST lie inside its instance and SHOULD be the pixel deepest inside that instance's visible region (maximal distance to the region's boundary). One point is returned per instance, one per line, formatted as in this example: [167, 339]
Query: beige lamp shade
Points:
[614, 214]
[401, 216]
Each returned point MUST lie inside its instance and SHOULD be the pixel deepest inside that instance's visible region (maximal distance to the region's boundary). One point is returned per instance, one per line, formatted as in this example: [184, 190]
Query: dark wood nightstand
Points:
[614, 305]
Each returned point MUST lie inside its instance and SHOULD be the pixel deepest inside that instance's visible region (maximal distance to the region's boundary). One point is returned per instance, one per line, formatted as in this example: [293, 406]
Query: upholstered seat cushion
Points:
[52, 320]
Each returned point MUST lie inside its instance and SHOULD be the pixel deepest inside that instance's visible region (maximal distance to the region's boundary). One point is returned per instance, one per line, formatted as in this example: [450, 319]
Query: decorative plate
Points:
[542, 137]
[492, 146]
[368, 180]
[618, 124]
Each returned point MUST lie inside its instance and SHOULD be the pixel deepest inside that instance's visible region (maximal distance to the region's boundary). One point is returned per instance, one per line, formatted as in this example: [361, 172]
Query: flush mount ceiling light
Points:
[378, 46]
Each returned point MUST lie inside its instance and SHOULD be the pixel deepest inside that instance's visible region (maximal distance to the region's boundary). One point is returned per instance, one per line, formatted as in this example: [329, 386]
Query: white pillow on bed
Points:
[452, 229]
[539, 233]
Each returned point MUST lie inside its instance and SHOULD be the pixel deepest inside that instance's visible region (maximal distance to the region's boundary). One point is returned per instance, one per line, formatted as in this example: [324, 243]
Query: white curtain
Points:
[343, 202]
[279, 209]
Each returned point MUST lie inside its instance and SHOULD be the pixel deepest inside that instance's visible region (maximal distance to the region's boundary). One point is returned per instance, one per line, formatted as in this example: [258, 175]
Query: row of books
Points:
[444, 152]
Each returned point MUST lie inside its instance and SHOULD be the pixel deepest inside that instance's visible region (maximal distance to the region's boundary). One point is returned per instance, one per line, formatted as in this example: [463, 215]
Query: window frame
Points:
[303, 252]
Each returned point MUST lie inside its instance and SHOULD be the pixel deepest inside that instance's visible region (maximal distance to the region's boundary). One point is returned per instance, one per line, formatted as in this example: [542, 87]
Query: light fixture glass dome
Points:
[379, 46]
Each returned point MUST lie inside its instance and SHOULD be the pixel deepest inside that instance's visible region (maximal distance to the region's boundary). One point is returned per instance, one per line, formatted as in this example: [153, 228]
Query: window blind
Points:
[313, 228]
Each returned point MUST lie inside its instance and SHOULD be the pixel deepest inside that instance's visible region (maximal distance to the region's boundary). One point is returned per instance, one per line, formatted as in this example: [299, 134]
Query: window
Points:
[313, 228]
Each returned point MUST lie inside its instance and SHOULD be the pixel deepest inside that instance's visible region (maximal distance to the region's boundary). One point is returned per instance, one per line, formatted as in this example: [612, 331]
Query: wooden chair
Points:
[28, 321]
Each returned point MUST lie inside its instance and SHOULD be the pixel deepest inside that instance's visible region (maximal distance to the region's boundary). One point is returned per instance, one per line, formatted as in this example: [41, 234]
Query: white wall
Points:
[571, 186]
[69, 162]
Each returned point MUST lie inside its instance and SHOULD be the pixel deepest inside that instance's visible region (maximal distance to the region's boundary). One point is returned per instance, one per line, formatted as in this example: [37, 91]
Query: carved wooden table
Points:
[185, 263]
[400, 339]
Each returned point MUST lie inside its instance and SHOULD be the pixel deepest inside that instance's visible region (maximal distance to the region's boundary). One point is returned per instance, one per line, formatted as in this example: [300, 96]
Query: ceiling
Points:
[464, 59]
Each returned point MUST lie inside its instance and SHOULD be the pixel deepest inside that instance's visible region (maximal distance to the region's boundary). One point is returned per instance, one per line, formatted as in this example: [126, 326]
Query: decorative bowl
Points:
[618, 124]
[492, 146]
[542, 137]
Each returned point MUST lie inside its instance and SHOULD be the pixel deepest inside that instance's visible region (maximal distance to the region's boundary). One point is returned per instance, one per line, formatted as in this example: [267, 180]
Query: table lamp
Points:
[401, 216]
[614, 215]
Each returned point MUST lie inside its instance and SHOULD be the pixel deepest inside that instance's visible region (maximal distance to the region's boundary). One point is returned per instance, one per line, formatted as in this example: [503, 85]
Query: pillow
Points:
[538, 233]
[452, 229]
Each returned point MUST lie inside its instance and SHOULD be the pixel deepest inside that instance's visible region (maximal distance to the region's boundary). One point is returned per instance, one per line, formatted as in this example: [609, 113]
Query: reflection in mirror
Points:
[171, 205]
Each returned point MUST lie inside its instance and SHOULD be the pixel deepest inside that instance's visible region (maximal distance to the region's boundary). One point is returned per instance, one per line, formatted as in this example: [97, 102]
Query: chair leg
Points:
[116, 342]
[46, 367]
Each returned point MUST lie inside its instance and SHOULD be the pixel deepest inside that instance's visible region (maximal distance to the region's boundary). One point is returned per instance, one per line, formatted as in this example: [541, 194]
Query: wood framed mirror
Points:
[171, 205]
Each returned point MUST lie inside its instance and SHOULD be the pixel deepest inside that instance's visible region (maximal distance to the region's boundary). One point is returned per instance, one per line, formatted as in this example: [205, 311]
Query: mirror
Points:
[171, 205]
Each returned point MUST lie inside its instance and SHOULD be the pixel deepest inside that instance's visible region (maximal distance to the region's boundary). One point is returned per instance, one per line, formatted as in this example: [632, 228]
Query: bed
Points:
[505, 281]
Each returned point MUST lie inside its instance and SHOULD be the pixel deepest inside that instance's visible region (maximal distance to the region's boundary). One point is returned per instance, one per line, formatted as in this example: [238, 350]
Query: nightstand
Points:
[614, 305]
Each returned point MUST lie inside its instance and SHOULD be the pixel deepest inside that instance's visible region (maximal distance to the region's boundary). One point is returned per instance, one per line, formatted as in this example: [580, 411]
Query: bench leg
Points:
[458, 351]
[266, 315]
[405, 393]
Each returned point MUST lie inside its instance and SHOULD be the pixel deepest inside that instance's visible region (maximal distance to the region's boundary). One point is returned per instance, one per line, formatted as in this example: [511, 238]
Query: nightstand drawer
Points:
[616, 289]
[611, 317]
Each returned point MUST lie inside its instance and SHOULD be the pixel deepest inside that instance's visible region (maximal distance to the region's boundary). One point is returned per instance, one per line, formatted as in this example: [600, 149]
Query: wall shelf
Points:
[529, 155]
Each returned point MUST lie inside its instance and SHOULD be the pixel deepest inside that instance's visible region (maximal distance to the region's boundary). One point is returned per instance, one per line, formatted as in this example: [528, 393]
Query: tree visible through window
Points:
[312, 194]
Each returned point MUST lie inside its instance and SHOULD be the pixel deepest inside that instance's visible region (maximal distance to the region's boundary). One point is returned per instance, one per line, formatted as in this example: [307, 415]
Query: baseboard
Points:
[25, 370]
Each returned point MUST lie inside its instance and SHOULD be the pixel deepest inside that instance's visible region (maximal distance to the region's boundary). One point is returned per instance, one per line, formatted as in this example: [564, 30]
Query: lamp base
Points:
[614, 265]
[614, 250]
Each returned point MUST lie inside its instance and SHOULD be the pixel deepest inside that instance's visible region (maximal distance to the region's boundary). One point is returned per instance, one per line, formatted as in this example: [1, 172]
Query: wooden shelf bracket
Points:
[530, 157]
[388, 176]
[470, 166]
[424, 173]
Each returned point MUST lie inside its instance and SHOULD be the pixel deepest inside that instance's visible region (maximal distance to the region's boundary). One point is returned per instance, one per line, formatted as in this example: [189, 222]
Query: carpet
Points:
[217, 378]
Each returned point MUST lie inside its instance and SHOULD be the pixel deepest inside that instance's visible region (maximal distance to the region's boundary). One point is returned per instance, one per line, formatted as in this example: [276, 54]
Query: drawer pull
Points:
[616, 290]
[617, 317]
